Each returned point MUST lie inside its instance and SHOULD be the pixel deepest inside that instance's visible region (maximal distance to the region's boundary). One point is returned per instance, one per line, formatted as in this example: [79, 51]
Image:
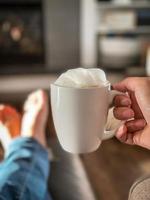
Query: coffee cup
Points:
[80, 116]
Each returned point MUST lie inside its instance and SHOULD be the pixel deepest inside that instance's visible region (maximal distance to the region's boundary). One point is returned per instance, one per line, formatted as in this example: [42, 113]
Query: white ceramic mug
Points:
[80, 116]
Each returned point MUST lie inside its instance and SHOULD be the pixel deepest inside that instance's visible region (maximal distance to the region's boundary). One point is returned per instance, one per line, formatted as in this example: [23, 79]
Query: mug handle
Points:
[111, 133]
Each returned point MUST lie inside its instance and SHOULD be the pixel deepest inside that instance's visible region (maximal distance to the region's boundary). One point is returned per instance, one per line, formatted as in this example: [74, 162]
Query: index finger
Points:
[129, 84]
[121, 101]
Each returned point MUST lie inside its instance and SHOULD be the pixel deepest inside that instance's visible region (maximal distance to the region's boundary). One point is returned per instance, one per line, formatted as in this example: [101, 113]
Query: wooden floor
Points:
[114, 167]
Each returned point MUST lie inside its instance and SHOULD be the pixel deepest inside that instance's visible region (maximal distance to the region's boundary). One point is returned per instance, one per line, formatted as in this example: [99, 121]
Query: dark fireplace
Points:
[21, 35]
[39, 36]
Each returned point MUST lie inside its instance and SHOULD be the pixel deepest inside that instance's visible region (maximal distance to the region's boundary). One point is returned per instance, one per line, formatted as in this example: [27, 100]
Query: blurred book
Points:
[122, 2]
[143, 17]
[119, 20]
[104, 0]
[135, 71]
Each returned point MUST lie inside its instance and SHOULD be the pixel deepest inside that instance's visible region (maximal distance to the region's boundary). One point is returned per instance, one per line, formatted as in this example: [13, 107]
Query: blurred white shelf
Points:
[136, 71]
[136, 5]
[25, 83]
[137, 30]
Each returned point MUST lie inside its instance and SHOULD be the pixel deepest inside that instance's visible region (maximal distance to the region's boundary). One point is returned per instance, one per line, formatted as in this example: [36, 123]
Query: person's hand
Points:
[134, 109]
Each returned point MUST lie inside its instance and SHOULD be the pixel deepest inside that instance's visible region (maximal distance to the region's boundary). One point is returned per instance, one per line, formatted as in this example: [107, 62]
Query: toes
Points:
[35, 116]
[35, 100]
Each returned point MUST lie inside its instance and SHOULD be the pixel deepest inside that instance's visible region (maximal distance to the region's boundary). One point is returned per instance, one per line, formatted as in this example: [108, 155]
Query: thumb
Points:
[140, 87]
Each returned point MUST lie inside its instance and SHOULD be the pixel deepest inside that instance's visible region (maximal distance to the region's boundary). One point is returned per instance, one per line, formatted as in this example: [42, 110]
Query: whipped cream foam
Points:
[81, 78]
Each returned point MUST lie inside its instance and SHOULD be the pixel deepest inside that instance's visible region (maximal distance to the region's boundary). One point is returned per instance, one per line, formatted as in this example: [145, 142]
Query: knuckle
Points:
[115, 110]
[136, 139]
[116, 99]
[117, 113]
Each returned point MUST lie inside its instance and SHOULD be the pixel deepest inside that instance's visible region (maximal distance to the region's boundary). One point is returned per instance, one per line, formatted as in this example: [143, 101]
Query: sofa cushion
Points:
[68, 179]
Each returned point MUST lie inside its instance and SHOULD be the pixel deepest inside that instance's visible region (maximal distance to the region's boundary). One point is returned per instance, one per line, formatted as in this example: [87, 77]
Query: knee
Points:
[140, 189]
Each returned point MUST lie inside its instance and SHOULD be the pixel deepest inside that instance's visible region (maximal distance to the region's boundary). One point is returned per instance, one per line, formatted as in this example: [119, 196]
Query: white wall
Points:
[88, 25]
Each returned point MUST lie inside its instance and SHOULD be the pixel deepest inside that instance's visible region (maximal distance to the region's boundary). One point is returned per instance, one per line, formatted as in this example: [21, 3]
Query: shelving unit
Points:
[144, 30]
[94, 28]
[104, 30]
[136, 5]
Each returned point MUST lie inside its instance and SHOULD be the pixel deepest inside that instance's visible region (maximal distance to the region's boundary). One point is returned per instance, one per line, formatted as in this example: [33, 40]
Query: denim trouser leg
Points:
[24, 172]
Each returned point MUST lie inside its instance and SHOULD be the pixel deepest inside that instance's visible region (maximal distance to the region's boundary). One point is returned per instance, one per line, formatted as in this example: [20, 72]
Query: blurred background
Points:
[39, 39]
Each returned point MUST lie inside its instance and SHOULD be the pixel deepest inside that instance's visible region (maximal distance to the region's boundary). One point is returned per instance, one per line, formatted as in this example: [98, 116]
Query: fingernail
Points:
[128, 113]
[120, 131]
[141, 123]
[125, 102]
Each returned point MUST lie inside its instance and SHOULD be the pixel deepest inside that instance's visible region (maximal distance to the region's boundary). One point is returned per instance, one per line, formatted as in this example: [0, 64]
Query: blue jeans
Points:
[24, 172]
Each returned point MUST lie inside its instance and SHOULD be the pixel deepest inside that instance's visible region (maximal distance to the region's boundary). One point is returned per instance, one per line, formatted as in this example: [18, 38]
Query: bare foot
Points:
[35, 116]
[10, 123]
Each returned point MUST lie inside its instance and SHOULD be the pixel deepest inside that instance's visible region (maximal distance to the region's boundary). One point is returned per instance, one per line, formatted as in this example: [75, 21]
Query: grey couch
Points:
[140, 189]
[68, 179]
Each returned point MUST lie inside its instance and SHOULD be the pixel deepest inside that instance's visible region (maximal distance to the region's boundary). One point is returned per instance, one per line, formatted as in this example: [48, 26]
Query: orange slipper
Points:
[10, 122]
